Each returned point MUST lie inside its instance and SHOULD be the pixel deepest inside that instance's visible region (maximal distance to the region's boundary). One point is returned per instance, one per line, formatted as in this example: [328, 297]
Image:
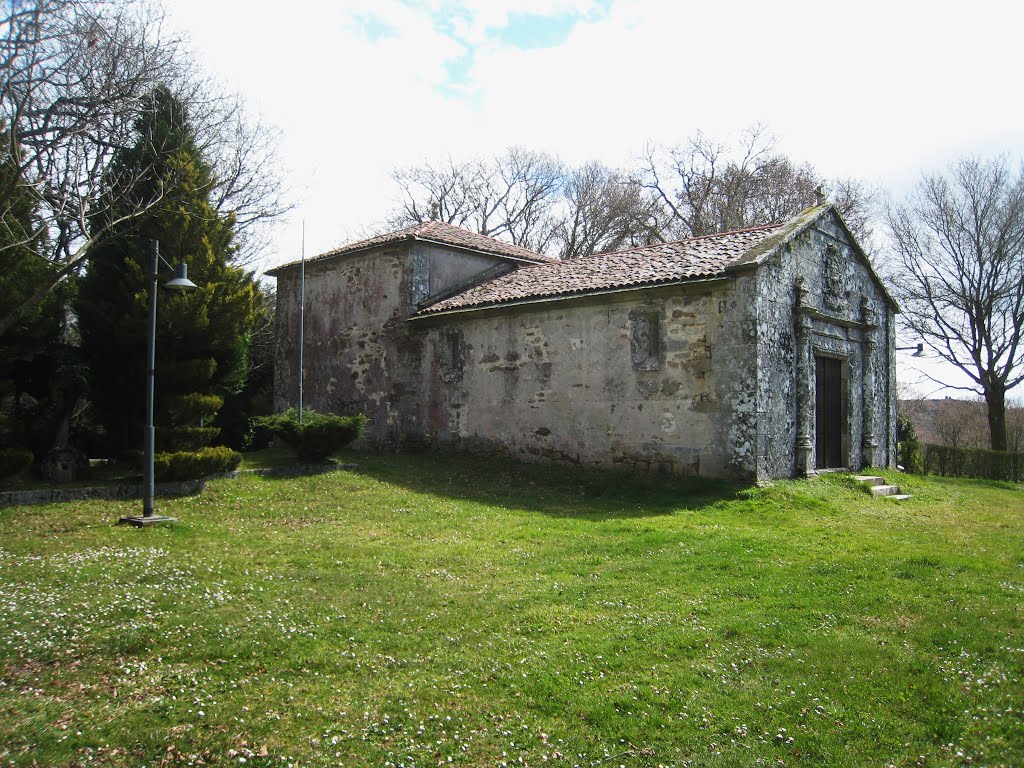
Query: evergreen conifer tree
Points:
[203, 334]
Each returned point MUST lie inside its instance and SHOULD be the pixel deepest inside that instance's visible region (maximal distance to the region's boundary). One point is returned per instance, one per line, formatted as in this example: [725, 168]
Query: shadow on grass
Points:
[555, 490]
[108, 473]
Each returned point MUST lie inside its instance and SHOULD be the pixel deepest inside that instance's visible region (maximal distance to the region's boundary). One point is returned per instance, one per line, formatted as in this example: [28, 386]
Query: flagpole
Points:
[302, 311]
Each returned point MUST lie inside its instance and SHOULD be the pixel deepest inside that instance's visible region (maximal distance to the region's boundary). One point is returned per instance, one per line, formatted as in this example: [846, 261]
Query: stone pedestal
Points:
[64, 465]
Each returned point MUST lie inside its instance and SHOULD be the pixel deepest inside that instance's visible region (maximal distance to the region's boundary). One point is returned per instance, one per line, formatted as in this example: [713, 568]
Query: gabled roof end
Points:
[437, 232]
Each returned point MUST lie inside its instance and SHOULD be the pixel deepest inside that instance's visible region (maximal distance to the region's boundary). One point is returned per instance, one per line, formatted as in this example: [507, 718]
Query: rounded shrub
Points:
[194, 407]
[191, 438]
[318, 436]
[189, 465]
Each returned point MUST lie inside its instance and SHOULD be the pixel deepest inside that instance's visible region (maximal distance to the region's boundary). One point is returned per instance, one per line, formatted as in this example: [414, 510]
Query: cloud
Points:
[372, 28]
[880, 90]
[528, 32]
[480, 22]
[857, 93]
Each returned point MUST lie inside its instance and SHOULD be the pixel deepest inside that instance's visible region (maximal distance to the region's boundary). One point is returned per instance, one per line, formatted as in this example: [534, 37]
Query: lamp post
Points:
[179, 282]
[918, 350]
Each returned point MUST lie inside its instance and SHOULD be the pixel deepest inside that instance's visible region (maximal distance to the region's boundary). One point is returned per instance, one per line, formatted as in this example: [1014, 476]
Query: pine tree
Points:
[203, 334]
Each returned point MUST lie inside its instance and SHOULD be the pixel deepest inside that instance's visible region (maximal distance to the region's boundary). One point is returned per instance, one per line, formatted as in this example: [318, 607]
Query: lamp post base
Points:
[140, 521]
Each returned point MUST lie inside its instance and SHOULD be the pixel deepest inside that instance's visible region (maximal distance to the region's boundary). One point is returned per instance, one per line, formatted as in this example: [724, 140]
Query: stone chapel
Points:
[749, 355]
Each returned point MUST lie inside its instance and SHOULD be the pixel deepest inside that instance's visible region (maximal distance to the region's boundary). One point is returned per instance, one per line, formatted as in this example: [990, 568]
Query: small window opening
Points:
[452, 357]
[454, 351]
[653, 337]
[646, 343]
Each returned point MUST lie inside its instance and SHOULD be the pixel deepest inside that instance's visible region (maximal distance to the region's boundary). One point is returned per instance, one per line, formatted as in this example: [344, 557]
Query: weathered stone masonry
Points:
[818, 297]
[566, 382]
[710, 371]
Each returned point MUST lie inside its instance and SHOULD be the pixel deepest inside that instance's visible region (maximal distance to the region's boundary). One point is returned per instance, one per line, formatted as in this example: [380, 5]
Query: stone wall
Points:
[351, 303]
[438, 272]
[60, 494]
[622, 380]
[360, 353]
[817, 296]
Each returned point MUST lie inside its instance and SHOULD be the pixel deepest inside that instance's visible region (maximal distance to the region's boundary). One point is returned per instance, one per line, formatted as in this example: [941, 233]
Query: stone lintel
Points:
[817, 314]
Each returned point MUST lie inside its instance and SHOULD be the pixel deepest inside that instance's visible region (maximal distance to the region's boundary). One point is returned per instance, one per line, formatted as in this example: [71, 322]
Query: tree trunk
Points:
[995, 398]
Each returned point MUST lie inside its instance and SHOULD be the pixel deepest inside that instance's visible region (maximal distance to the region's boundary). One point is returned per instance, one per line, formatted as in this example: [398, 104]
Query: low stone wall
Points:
[161, 490]
[109, 492]
[293, 470]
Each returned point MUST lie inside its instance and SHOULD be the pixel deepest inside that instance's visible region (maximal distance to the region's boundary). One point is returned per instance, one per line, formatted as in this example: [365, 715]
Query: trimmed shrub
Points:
[191, 438]
[955, 461]
[189, 465]
[318, 436]
[187, 430]
[14, 461]
[194, 407]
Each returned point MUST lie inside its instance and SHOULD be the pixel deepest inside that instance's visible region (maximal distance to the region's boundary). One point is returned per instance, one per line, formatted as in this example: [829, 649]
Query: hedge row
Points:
[973, 462]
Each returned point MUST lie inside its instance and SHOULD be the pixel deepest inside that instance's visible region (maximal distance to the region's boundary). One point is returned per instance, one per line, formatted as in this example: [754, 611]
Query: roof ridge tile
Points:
[439, 232]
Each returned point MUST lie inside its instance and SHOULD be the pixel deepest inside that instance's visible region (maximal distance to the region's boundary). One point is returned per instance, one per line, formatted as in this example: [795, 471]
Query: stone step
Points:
[879, 487]
[885, 490]
[869, 479]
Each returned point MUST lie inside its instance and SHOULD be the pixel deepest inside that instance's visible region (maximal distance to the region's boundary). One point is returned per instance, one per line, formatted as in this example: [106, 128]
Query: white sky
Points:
[878, 90]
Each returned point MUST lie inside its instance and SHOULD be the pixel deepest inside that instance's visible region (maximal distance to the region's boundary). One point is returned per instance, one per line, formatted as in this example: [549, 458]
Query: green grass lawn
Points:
[423, 611]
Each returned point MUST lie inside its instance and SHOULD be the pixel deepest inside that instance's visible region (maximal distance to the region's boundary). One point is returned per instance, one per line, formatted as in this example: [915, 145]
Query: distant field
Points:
[423, 611]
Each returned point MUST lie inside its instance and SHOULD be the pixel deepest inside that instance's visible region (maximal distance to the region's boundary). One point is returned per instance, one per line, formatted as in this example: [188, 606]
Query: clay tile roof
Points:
[701, 257]
[434, 232]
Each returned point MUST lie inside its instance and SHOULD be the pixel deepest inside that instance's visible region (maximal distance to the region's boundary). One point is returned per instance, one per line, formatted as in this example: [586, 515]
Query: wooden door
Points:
[829, 413]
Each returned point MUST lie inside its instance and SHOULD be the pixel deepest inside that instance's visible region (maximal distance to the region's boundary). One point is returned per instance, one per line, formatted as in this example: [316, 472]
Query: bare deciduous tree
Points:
[692, 190]
[242, 150]
[531, 199]
[510, 196]
[605, 211]
[522, 194]
[960, 423]
[959, 242]
[444, 192]
[861, 204]
[74, 77]
[706, 187]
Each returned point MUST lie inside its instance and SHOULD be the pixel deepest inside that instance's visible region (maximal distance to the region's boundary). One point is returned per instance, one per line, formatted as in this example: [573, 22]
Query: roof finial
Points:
[819, 195]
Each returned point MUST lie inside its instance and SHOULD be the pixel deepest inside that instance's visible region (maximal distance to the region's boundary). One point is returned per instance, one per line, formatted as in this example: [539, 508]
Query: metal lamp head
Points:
[180, 281]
